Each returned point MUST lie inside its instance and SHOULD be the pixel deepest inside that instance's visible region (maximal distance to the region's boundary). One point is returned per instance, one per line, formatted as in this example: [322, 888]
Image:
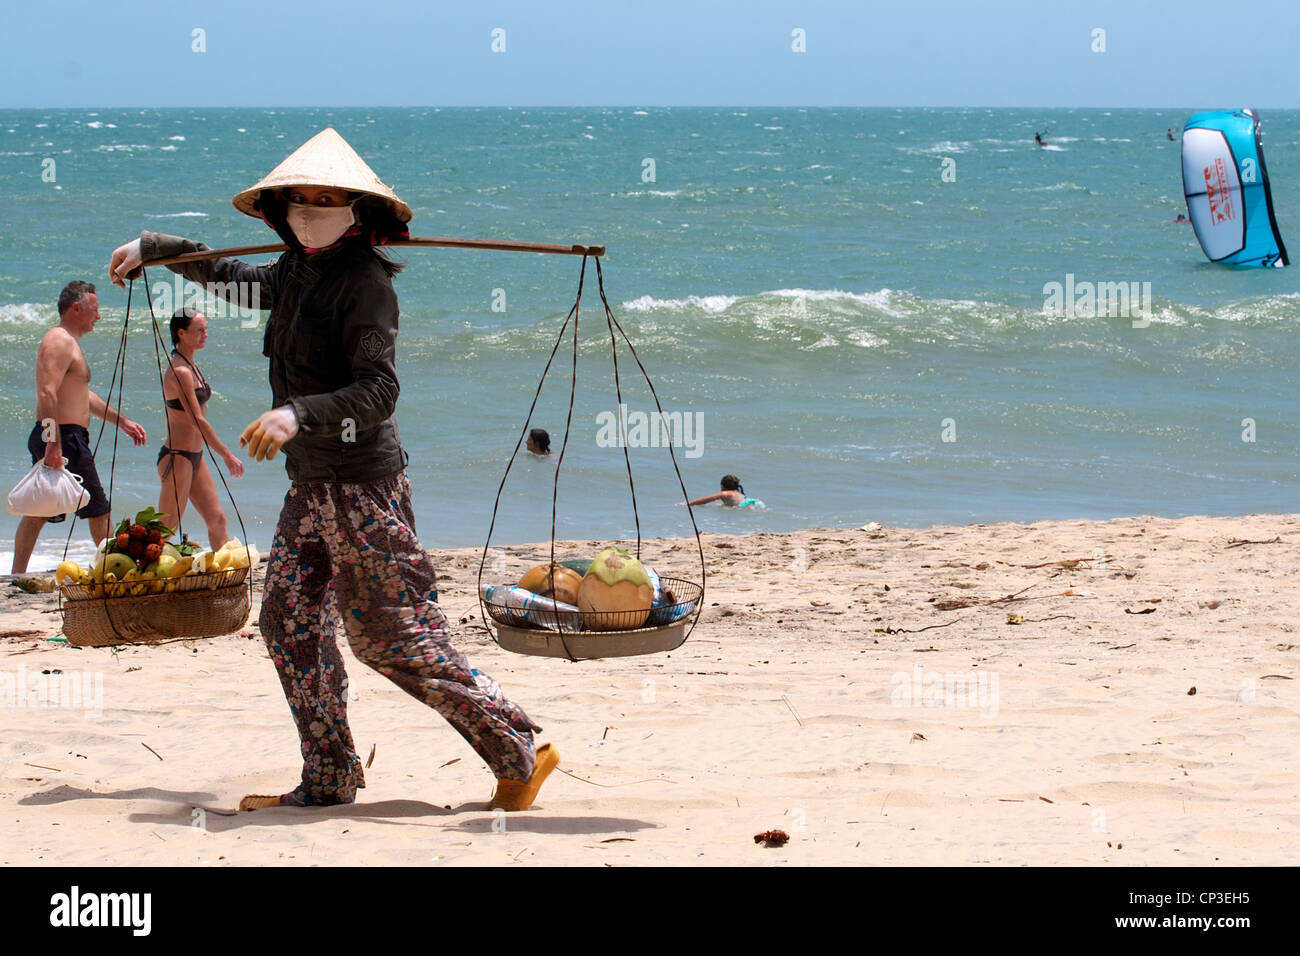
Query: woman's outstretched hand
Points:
[125, 263]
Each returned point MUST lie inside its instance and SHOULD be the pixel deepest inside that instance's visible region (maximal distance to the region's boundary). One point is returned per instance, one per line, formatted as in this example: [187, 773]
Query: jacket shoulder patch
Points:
[372, 344]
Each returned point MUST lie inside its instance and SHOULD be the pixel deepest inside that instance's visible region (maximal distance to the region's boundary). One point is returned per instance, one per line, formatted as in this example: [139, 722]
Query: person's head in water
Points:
[732, 483]
[539, 441]
[192, 322]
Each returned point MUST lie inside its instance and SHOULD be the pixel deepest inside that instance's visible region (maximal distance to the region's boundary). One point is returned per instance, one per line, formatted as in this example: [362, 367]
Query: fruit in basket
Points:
[172, 550]
[235, 555]
[152, 552]
[180, 566]
[616, 582]
[553, 581]
[162, 568]
[118, 565]
[132, 534]
[67, 571]
[580, 565]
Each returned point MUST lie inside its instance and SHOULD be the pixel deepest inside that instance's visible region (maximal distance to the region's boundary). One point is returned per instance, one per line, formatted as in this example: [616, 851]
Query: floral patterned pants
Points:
[348, 550]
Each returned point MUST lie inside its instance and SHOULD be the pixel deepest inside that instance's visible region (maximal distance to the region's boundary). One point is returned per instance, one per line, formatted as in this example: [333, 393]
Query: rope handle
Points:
[119, 364]
[611, 323]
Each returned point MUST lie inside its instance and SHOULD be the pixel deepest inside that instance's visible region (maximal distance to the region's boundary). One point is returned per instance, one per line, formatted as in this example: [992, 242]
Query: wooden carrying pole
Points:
[504, 245]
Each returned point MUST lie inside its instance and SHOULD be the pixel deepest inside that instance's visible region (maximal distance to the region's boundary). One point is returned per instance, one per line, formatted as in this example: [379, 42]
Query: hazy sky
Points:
[651, 53]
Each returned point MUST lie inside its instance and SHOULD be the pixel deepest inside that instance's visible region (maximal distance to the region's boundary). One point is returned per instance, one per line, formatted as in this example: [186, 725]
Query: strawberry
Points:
[136, 548]
[155, 536]
[139, 532]
[123, 541]
[152, 552]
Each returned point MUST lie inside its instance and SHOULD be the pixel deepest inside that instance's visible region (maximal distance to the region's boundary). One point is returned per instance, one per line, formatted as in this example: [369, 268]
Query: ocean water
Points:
[847, 307]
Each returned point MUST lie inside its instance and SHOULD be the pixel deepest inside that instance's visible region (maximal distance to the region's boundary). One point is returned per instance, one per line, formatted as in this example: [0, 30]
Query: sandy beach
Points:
[1072, 692]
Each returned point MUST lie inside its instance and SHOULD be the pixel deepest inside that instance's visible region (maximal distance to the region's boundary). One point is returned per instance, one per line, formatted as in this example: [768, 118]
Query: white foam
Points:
[48, 553]
[712, 304]
[172, 215]
[24, 313]
[880, 299]
[947, 146]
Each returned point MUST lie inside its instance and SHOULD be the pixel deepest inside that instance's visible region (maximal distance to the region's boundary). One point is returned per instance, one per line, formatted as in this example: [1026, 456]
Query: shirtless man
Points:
[63, 396]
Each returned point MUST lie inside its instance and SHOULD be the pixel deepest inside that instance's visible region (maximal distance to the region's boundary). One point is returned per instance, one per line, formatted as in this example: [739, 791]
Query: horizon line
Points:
[702, 106]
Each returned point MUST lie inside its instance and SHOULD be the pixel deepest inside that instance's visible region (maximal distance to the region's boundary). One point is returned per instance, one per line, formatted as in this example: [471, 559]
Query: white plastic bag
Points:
[46, 492]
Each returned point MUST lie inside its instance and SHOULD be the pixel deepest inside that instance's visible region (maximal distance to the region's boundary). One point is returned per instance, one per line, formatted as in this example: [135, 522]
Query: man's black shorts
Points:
[76, 448]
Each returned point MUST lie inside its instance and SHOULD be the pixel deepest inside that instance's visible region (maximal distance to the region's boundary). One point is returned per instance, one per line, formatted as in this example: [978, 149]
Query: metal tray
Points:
[592, 645]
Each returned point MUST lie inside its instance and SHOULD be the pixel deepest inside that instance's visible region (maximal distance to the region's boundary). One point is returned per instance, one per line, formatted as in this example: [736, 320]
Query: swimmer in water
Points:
[732, 495]
[1182, 218]
[539, 443]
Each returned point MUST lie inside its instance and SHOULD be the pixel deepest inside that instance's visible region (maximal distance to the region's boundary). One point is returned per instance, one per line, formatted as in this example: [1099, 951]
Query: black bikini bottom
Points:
[195, 457]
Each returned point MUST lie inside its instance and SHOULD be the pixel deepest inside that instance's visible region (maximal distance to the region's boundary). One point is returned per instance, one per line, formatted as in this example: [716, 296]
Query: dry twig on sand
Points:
[1238, 542]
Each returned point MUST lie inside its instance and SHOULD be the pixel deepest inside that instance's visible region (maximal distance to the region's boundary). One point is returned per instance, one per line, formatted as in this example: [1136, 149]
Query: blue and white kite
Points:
[1226, 185]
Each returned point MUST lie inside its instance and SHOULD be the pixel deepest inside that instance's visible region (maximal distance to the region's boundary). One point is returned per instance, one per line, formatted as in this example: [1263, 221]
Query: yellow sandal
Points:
[520, 794]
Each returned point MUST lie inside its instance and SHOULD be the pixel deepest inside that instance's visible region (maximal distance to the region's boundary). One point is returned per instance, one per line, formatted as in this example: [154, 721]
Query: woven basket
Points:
[150, 618]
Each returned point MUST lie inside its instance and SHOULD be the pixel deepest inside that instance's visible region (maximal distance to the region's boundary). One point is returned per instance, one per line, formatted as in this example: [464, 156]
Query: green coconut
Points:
[617, 585]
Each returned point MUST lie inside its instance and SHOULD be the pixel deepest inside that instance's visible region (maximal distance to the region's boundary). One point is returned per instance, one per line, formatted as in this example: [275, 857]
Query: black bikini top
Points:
[202, 392]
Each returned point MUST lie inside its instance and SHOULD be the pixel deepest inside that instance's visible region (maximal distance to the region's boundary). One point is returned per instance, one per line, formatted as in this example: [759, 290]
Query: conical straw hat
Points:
[324, 160]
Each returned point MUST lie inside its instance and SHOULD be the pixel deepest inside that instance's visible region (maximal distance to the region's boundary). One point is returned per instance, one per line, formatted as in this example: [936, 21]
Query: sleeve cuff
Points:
[300, 413]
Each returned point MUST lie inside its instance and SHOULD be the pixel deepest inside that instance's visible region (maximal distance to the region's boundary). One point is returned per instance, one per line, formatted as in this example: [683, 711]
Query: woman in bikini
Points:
[185, 475]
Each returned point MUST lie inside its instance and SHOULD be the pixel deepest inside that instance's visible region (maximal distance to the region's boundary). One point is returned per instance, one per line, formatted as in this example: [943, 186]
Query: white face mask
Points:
[318, 226]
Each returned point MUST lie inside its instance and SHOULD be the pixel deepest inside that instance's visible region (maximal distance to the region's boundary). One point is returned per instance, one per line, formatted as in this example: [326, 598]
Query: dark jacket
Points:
[331, 338]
